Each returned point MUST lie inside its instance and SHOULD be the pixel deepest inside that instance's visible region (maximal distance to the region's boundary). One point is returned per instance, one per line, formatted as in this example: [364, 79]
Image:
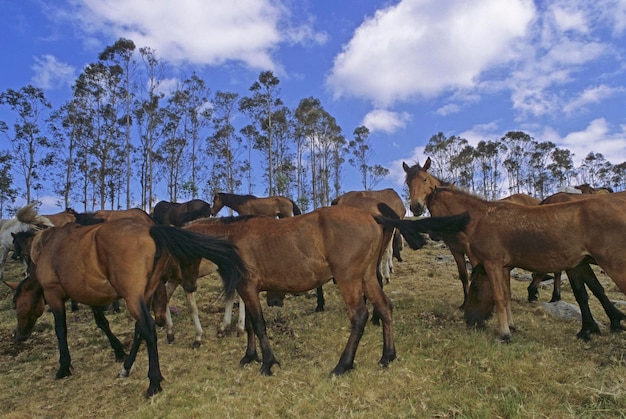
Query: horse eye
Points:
[425, 179]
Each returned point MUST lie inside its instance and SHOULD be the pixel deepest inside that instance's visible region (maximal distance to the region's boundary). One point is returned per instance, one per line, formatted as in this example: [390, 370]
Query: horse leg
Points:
[241, 323]
[556, 288]
[103, 324]
[256, 323]
[60, 328]
[590, 279]
[170, 287]
[4, 252]
[589, 325]
[497, 276]
[193, 309]
[382, 305]
[321, 302]
[459, 259]
[147, 329]
[228, 315]
[357, 312]
[533, 288]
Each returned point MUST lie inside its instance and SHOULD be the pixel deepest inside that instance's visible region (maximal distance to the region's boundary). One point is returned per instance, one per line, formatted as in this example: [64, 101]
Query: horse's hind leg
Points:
[193, 310]
[357, 312]
[382, 306]
[590, 279]
[589, 325]
[103, 324]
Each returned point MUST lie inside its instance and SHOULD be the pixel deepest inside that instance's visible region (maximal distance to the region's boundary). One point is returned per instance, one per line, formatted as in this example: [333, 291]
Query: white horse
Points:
[206, 268]
[25, 219]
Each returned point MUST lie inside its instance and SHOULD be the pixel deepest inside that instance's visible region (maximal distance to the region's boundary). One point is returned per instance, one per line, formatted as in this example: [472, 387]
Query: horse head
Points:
[29, 305]
[479, 306]
[421, 184]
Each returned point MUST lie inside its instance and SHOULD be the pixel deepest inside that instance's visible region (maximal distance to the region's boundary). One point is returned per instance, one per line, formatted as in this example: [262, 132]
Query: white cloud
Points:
[592, 95]
[423, 48]
[597, 137]
[386, 121]
[198, 31]
[50, 73]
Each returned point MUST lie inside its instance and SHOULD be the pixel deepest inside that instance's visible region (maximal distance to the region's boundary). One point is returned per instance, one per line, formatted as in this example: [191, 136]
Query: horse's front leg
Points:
[497, 278]
[241, 323]
[60, 328]
[103, 324]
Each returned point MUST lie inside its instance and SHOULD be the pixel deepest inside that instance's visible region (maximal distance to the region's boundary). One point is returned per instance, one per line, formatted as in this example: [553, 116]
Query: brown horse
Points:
[585, 188]
[178, 214]
[297, 254]
[98, 264]
[61, 218]
[101, 216]
[543, 238]
[271, 206]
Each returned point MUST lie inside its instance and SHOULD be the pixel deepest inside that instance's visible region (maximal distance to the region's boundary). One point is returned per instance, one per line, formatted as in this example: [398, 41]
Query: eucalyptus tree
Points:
[618, 179]
[98, 86]
[121, 55]
[319, 130]
[30, 146]
[516, 160]
[260, 107]
[464, 165]
[561, 167]
[360, 150]
[489, 155]
[224, 146]
[539, 173]
[594, 169]
[7, 192]
[149, 118]
[284, 168]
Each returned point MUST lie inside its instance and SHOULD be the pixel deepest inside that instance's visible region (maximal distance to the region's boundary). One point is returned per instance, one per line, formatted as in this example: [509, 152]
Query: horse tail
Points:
[190, 246]
[411, 229]
[296, 209]
[28, 215]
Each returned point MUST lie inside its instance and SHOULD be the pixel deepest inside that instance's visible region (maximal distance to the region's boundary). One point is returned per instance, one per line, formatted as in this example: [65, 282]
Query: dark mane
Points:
[223, 220]
[412, 172]
[234, 199]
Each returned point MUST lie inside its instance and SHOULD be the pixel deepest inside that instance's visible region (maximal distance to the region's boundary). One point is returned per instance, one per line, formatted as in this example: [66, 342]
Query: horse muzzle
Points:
[417, 209]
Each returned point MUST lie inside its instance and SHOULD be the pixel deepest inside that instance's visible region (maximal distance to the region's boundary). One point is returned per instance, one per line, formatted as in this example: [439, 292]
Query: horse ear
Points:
[427, 164]
[11, 284]
[405, 167]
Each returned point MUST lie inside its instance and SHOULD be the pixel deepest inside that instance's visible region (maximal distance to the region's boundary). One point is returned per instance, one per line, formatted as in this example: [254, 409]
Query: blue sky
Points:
[405, 69]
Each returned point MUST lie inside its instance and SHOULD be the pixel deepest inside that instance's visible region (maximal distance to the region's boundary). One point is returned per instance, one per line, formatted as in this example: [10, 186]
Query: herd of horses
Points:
[99, 258]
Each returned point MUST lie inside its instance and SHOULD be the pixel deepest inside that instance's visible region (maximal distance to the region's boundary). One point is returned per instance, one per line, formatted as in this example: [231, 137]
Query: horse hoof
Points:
[123, 373]
[170, 338]
[196, 344]
[152, 390]
[504, 338]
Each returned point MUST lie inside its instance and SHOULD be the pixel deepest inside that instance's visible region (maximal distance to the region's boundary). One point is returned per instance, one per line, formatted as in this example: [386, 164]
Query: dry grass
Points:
[442, 370]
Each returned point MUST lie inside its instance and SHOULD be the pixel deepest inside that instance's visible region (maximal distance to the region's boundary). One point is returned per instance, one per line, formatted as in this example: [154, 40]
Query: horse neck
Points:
[452, 202]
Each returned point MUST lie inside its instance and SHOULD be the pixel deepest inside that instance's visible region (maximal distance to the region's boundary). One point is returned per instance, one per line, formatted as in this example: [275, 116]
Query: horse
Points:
[585, 188]
[271, 206]
[100, 263]
[101, 216]
[542, 238]
[61, 218]
[26, 218]
[368, 200]
[297, 254]
[177, 214]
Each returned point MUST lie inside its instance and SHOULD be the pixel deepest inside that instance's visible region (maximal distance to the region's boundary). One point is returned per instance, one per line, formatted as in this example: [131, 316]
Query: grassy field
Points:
[443, 370]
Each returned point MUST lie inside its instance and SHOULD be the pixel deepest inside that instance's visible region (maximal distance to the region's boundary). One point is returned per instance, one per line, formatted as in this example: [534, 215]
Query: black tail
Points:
[189, 246]
[296, 209]
[411, 229]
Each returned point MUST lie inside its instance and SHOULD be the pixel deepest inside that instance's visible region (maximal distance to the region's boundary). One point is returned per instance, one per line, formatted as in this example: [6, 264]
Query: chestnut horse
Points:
[543, 238]
[178, 214]
[297, 254]
[586, 189]
[271, 206]
[100, 263]
[61, 218]
[421, 185]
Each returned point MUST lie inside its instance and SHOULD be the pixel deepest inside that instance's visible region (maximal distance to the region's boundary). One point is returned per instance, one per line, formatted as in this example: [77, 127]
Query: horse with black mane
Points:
[297, 254]
[543, 238]
[178, 214]
[98, 264]
[271, 206]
